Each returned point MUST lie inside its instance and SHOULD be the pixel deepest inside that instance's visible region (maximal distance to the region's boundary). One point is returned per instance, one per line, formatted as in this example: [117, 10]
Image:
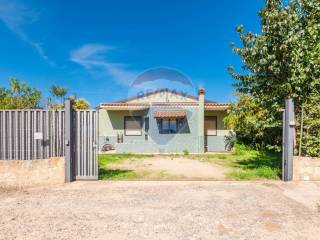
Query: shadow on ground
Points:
[265, 163]
[113, 173]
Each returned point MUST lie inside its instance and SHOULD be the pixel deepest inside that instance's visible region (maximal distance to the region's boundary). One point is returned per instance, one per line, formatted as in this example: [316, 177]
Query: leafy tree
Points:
[251, 124]
[22, 96]
[311, 127]
[282, 61]
[59, 92]
[4, 97]
[81, 104]
[19, 96]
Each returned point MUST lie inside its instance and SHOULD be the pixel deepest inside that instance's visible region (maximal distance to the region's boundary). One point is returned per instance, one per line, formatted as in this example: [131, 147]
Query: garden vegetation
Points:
[20, 95]
[280, 62]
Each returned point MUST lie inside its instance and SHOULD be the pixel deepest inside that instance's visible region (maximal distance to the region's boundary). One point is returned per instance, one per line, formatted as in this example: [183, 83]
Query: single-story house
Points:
[163, 121]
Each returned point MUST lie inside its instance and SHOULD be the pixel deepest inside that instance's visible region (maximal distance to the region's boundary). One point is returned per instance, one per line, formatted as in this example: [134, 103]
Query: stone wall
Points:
[23, 173]
[306, 168]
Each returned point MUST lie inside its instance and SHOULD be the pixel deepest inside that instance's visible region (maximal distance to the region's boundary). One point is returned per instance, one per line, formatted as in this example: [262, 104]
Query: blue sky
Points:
[97, 48]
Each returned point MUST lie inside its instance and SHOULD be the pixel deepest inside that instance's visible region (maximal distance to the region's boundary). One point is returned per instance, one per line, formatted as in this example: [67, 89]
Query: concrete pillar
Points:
[201, 101]
[69, 174]
[289, 138]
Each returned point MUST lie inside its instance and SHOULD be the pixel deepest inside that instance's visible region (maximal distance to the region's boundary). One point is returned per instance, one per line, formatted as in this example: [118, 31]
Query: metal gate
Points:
[41, 134]
[31, 134]
[85, 150]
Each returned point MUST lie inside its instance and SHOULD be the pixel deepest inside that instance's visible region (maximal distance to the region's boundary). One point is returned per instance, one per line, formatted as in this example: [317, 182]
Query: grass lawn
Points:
[243, 164]
[247, 164]
[107, 173]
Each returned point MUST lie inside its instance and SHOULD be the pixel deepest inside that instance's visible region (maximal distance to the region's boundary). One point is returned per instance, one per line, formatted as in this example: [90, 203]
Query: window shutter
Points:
[133, 126]
[210, 126]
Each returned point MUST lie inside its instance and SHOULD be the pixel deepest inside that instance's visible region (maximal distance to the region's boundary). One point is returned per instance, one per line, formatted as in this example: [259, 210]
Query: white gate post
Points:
[69, 173]
[288, 138]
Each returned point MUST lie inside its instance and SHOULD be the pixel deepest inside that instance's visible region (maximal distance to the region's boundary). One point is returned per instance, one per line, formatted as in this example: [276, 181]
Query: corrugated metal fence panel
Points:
[19, 127]
[85, 139]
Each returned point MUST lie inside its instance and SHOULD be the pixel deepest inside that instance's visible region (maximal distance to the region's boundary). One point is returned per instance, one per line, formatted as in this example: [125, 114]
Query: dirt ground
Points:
[176, 167]
[163, 210]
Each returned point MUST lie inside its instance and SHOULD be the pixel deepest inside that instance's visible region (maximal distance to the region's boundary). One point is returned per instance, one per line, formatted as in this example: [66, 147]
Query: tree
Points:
[81, 104]
[283, 60]
[59, 92]
[22, 96]
[250, 121]
[19, 96]
[311, 126]
[4, 97]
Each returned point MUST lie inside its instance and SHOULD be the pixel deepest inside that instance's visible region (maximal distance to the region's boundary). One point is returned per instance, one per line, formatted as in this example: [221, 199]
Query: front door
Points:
[210, 130]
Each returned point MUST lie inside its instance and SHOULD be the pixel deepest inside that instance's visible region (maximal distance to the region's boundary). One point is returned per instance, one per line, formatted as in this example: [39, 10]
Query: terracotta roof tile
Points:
[122, 106]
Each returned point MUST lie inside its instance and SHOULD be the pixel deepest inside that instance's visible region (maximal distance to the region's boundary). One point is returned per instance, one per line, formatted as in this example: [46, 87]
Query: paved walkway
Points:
[163, 210]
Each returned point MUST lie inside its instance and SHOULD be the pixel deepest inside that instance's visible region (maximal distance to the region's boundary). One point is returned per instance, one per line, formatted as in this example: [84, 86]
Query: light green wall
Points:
[157, 142]
[111, 123]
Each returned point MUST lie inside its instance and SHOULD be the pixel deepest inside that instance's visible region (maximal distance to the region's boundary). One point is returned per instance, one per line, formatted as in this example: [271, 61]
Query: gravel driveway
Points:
[163, 210]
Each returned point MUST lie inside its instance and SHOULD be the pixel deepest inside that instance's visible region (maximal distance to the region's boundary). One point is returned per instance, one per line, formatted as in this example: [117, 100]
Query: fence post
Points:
[301, 129]
[288, 145]
[69, 174]
[283, 140]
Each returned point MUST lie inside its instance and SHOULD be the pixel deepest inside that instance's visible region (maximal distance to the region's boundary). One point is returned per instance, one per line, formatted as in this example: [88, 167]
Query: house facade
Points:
[163, 121]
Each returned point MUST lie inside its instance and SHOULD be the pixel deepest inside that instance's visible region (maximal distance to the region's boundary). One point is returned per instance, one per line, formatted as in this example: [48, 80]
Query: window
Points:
[133, 126]
[210, 126]
[168, 125]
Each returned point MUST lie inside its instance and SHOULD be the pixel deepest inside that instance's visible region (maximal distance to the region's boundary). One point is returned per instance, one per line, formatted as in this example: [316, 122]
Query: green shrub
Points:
[230, 140]
[185, 152]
